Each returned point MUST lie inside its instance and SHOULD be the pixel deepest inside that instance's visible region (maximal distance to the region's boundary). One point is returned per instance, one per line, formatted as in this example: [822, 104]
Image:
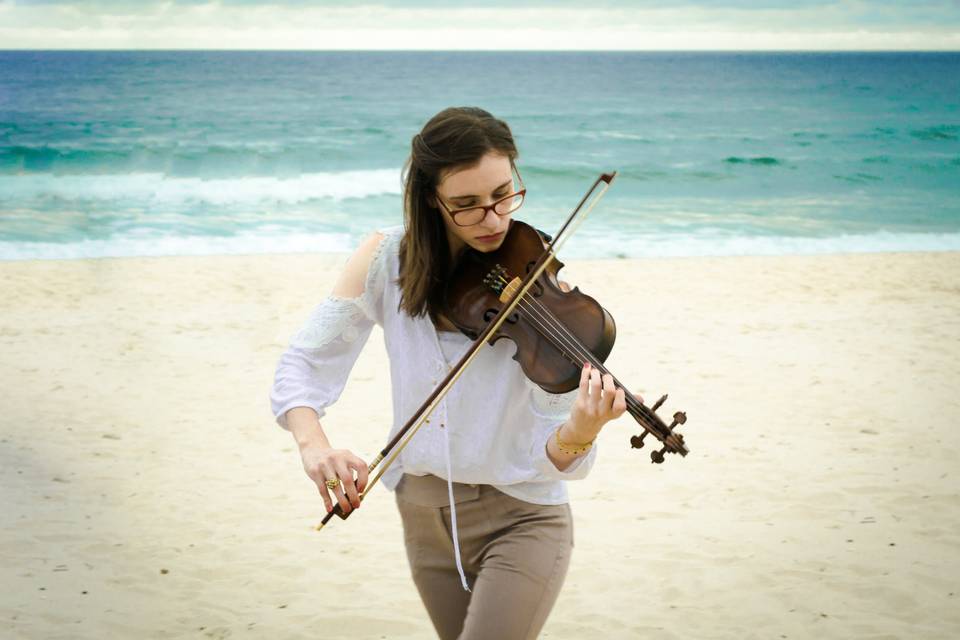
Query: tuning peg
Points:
[656, 405]
[672, 444]
[637, 441]
[678, 418]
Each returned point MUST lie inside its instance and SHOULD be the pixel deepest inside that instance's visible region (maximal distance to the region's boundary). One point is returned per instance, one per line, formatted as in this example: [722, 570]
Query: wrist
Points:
[309, 434]
[571, 448]
[573, 433]
[319, 444]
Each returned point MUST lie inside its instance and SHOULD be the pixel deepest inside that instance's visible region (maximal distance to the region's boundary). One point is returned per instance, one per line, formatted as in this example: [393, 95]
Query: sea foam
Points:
[157, 189]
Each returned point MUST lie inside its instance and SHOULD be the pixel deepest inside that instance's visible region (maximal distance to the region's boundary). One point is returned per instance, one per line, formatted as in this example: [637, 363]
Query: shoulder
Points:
[371, 250]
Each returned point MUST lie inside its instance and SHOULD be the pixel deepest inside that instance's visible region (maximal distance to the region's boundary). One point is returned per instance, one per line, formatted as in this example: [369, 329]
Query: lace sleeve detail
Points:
[334, 318]
[313, 371]
[552, 405]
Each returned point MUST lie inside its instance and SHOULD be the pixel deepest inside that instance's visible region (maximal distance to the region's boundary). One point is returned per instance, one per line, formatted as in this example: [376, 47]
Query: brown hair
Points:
[455, 138]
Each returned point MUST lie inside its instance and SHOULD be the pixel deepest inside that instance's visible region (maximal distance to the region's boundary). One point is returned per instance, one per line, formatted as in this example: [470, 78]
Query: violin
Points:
[555, 331]
[514, 293]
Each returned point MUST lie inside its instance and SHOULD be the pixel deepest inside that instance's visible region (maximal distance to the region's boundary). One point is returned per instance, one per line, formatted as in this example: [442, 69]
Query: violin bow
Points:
[396, 445]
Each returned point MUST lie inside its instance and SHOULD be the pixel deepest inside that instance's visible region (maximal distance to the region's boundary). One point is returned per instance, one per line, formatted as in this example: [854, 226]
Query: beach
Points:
[148, 493]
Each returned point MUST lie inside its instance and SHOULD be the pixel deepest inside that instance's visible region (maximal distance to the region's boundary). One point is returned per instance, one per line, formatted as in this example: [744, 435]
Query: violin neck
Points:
[644, 416]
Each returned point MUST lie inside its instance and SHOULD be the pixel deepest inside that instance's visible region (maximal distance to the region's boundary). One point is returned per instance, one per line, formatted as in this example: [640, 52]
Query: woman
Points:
[481, 487]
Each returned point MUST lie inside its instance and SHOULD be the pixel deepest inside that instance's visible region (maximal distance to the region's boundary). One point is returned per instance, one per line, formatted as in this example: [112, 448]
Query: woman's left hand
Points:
[598, 401]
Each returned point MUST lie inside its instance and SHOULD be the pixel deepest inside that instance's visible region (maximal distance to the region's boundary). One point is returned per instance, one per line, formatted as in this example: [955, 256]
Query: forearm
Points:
[305, 426]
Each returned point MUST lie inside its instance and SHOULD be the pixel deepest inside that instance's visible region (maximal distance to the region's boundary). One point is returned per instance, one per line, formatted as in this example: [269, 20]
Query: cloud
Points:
[420, 24]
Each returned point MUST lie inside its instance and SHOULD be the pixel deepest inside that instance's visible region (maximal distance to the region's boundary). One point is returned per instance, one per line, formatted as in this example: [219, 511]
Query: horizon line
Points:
[258, 50]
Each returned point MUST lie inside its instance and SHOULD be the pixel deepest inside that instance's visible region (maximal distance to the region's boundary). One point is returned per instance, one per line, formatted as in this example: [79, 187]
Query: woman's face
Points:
[481, 184]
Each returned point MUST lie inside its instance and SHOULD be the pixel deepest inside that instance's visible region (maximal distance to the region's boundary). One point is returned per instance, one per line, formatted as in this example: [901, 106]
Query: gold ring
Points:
[333, 483]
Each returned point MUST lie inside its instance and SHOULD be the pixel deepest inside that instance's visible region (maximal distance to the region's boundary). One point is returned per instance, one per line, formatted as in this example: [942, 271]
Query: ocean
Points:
[145, 153]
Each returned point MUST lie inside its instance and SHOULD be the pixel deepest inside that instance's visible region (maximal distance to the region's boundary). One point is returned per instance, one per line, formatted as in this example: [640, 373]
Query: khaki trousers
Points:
[515, 555]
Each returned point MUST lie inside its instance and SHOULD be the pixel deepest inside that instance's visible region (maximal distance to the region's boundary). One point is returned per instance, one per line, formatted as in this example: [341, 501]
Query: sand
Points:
[147, 492]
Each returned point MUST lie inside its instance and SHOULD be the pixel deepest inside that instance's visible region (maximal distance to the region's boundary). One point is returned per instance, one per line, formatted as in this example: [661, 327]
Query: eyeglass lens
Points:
[466, 217]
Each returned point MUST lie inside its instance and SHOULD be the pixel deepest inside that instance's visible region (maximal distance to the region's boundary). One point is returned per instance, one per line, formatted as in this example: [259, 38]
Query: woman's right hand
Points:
[325, 463]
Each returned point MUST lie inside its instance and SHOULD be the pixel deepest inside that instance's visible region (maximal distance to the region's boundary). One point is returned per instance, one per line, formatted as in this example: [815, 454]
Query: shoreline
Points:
[592, 245]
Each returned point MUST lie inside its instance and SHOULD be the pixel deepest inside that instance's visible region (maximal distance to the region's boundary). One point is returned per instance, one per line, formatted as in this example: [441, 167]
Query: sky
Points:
[473, 25]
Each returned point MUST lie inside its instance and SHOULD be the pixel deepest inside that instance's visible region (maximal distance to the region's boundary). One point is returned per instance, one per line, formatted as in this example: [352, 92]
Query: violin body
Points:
[548, 323]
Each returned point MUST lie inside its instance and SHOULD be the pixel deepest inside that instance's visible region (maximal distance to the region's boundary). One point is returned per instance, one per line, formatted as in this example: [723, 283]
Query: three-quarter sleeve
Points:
[550, 411]
[314, 369]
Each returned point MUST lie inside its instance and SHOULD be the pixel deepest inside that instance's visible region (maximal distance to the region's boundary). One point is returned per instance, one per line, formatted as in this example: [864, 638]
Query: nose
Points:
[490, 219]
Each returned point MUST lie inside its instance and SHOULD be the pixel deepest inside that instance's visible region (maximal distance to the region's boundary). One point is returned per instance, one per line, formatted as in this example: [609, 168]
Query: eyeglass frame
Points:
[453, 214]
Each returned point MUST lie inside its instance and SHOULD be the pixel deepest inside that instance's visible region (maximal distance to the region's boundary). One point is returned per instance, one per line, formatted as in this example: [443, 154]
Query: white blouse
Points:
[497, 422]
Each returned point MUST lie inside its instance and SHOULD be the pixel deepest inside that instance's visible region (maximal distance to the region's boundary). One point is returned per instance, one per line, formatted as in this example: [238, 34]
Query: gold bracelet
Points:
[572, 448]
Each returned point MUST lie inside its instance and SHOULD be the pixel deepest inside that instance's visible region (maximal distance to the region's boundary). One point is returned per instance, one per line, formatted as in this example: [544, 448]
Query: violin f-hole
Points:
[488, 315]
[537, 289]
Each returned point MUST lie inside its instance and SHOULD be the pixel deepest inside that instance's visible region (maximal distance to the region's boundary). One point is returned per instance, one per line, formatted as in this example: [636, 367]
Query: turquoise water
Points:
[166, 153]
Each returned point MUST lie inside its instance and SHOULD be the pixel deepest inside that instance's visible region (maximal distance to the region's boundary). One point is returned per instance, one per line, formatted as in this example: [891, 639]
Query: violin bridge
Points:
[509, 290]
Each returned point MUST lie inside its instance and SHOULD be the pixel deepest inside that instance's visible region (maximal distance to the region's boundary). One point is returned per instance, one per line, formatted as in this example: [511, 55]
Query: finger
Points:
[595, 386]
[324, 472]
[329, 473]
[346, 483]
[619, 403]
[322, 489]
[609, 393]
[362, 473]
[636, 394]
[342, 499]
[585, 380]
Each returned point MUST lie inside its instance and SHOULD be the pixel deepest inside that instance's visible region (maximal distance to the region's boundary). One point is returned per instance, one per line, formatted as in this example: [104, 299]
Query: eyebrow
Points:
[508, 182]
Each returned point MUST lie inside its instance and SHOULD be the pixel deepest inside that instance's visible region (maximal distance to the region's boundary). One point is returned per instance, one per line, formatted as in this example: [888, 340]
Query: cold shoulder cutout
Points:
[352, 281]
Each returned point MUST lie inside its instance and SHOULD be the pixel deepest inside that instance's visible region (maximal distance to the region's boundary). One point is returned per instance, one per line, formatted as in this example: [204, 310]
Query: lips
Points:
[492, 238]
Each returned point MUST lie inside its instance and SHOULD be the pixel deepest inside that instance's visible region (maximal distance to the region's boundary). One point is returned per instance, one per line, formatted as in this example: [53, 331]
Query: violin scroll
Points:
[672, 441]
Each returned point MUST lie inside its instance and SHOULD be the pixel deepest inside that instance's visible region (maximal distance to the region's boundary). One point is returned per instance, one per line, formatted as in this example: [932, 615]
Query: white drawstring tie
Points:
[453, 512]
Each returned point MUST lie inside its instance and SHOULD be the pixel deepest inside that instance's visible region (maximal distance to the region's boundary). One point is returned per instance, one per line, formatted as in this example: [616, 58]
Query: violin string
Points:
[555, 329]
[561, 329]
[581, 353]
[578, 356]
[636, 408]
[633, 405]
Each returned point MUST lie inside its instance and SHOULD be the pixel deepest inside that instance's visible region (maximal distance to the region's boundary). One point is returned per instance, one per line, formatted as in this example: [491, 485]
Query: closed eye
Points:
[496, 196]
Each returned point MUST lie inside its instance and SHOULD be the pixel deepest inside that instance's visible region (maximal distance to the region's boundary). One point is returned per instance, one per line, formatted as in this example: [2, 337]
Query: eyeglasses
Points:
[469, 216]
